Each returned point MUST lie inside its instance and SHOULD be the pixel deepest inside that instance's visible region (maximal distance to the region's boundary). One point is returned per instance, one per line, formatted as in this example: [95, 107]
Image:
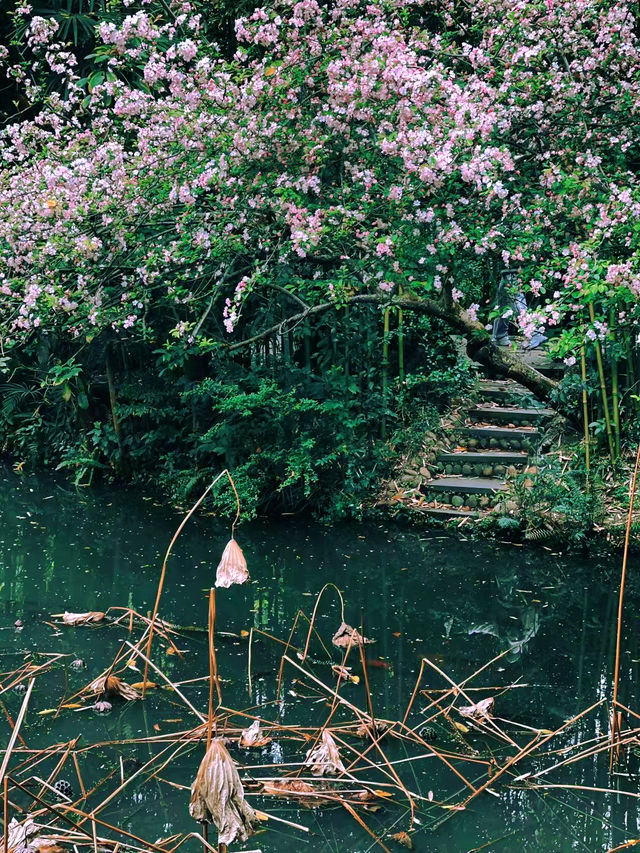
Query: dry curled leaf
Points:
[368, 730]
[232, 567]
[302, 792]
[20, 834]
[253, 737]
[92, 617]
[111, 685]
[217, 797]
[324, 758]
[348, 636]
[403, 838]
[344, 673]
[480, 711]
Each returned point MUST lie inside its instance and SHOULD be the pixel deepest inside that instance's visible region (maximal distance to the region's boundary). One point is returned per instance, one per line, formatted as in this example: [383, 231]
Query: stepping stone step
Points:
[469, 492]
[446, 513]
[507, 438]
[499, 392]
[464, 485]
[541, 361]
[510, 414]
[488, 463]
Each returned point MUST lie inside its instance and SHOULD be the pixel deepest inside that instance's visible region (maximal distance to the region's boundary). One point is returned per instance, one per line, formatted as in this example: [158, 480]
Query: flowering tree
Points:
[350, 153]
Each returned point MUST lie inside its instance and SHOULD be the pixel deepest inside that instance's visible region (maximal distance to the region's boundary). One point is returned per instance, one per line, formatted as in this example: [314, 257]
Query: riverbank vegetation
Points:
[241, 237]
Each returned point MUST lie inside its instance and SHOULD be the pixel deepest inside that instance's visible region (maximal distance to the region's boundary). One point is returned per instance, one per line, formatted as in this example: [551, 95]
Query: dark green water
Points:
[418, 593]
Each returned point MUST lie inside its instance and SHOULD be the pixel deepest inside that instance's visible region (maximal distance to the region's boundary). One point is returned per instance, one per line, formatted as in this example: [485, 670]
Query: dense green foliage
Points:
[247, 245]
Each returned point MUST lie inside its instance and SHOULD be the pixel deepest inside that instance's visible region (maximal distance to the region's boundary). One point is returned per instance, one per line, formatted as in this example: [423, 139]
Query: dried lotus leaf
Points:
[347, 636]
[111, 685]
[324, 758]
[482, 710]
[217, 797]
[92, 617]
[253, 737]
[232, 567]
[303, 793]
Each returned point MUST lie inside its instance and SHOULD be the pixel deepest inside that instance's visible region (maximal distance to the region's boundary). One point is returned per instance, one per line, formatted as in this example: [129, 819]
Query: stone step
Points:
[541, 361]
[510, 414]
[488, 463]
[467, 492]
[447, 513]
[506, 438]
[501, 391]
[465, 485]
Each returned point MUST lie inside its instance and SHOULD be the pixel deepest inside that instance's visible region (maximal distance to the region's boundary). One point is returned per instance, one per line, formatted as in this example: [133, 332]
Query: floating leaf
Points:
[402, 838]
[91, 617]
[480, 711]
[253, 737]
[324, 758]
[217, 797]
[232, 567]
[347, 636]
[111, 685]
[344, 672]
[302, 792]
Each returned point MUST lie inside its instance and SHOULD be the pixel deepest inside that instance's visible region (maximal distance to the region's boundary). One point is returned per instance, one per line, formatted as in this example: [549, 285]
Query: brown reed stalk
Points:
[313, 616]
[357, 817]
[5, 812]
[16, 729]
[623, 578]
[624, 846]
[213, 666]
[528, 748]
[168, 680]
[287, 645]
[363, 661]
[166, 558]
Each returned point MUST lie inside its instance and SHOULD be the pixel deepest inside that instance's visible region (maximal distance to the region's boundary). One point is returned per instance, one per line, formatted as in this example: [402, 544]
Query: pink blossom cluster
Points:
[339, 142]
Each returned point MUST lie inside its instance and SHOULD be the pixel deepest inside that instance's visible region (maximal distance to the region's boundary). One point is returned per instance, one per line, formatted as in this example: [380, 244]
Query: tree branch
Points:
[480, 347]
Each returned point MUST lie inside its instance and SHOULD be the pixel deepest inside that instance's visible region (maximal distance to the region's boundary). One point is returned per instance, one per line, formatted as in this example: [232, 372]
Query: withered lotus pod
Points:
[232, 567]
[217, 797]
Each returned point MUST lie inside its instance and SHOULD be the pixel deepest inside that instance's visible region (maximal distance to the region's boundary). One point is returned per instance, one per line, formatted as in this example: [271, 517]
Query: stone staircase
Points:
[494, 439]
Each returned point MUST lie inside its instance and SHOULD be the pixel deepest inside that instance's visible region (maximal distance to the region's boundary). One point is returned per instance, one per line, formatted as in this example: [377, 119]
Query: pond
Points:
[418, 593]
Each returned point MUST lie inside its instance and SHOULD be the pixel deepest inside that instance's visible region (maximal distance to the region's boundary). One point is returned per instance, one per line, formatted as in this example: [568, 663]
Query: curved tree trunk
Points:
[480, 347]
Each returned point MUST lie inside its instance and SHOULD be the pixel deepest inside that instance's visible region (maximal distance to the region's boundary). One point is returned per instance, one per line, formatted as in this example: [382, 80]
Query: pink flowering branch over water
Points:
[353, 147]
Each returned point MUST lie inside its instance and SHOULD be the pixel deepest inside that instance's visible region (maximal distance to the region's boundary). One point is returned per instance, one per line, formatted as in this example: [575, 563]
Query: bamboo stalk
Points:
[585, 407]
[113, 402]
[385, 370]
[615, 397]
[400, 345]
[623, 578]
[603, 389]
